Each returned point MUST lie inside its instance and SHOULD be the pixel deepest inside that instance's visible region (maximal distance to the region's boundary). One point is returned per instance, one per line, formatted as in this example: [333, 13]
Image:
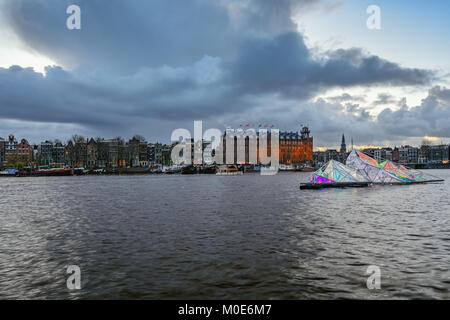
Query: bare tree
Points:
[139, 137]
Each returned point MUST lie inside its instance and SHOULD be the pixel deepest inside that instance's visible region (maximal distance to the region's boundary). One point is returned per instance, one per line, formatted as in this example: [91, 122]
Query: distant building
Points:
[405, 154]
[395, 155]
[24, 151]
[154, 153]
[58, 153]
[388, 154]
[322, 157]
[331, 154]
[45, 153]
[35, 150]
[319, 157]
[383, 154]
[438, 153]
[69, 154]
[108, 153]
[133, 152]
[343, 150]
[296, 148]
[92, 155]
[2, 152]
[80, 152]
[10, 145]
[142, 149]
[413, 154]
[369, 151]
[166, 154]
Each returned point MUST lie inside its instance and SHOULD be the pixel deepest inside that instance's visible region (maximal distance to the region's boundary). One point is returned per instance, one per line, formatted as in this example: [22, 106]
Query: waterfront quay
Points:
[81, 156]
[117, 156]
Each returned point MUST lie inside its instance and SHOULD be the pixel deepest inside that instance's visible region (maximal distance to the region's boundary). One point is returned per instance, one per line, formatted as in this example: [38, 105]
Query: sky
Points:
[150, 67]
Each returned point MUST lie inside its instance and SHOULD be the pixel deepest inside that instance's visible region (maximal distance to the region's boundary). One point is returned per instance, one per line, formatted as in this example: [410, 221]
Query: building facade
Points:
[296, 148]
[2, 152]
[45, 153]
[24, 151]
[10, 146]
[383, 154]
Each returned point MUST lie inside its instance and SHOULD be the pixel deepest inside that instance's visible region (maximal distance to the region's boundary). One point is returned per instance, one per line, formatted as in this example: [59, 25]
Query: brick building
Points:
[24, 151]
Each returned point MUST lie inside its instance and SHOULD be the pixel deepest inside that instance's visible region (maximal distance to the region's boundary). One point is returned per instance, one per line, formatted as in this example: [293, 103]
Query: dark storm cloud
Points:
[284, 64]
[136, 62]
[122, 36]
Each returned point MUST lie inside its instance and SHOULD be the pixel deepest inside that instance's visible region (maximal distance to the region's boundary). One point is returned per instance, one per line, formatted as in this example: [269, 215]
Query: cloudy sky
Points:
[150, 66]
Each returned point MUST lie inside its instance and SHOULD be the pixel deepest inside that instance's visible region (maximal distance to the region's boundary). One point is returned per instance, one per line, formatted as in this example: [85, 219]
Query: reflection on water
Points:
[207, 236]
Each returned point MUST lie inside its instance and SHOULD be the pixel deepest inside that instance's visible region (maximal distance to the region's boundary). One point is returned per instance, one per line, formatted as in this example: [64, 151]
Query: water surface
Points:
[230, 237]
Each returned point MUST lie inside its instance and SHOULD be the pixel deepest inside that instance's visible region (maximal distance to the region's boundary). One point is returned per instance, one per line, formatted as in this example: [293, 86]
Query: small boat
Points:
[307, 169]
[8, 173]
[228, 172]
[189, 170]
[208, 169]
[171, 170]
[96, 171]
[80, 171]
[48, 172]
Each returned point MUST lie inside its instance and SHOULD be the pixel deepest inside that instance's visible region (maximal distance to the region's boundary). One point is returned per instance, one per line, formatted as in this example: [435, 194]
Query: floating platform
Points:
[305, 186]
[334, 185]
[409, 182]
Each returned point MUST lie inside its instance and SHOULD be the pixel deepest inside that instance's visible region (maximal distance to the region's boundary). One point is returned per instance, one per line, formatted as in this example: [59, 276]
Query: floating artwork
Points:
[369, 168]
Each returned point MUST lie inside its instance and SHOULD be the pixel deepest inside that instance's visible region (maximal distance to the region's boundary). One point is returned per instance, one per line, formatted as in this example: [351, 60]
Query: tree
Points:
[15, 161]
[139, 137]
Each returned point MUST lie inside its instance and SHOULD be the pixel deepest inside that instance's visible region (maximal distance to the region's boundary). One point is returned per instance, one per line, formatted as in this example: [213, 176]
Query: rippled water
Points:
[207, 236]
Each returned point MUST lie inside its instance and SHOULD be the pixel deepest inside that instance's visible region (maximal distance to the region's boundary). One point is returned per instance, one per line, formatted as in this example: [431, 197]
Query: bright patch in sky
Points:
[13, 52]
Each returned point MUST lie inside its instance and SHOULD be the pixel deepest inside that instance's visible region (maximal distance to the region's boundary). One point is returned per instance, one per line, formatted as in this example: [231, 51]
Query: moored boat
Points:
[48, 172]
[189, 170]
[8, 173]
[226, 171]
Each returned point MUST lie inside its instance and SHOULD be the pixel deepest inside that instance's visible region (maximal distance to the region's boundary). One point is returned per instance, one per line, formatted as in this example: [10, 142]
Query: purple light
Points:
[319, 179]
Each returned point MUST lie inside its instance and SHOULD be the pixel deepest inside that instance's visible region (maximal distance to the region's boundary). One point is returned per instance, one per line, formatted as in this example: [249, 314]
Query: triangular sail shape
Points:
[334, 171]
[402, 172]
[369, 168]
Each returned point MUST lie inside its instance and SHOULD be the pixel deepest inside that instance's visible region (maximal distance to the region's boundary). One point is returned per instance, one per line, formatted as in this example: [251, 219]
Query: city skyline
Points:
[349, 145]
[425, 140]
